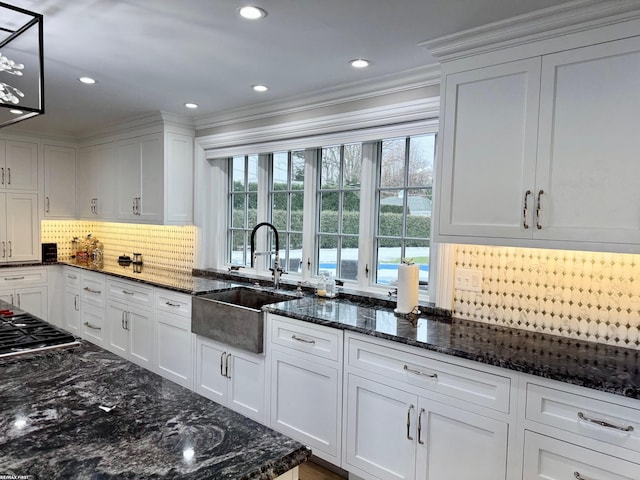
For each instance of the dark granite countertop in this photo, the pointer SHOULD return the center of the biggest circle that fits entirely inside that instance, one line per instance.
(52, 426)
(593, 365)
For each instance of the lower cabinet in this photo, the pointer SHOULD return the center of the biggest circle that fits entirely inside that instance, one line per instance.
(29, 299)
(306, 384)
(93, 326)
(72, 316)
(231, 377)
(173, 337)
(131, 333)
(546, 458)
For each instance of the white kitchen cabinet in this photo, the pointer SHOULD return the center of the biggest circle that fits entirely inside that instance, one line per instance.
(26, 288)
(173, 338)
(306, 384)
(546, 458)
(18, 165)
(94, 324)
(140, 170)
(20, 227)
(523, 144)
(131, 333)
(231, 377)
(59, 182)
(96, 178)
(72, 319)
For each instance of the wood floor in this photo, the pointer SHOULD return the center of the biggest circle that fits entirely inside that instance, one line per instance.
(311, 471)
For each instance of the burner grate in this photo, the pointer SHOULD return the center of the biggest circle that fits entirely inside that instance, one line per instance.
(23, 333)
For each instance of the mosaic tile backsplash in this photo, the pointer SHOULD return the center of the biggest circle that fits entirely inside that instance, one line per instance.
(167, 247)
(587, 295)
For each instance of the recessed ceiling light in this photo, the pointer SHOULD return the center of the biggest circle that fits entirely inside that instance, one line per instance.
(252, 12)
(359, 63)
(87, 80)
(191, 105)
(260, 88)
(16, 112)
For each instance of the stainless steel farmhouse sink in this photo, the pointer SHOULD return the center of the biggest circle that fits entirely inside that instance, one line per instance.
(233, 316)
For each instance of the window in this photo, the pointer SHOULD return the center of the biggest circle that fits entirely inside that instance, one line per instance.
(243, 200)
(287, 206)
(339, 210)
(404, 201)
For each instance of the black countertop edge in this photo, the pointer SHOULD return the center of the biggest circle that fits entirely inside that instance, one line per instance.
(279, 467)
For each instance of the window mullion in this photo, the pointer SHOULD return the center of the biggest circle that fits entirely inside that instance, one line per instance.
(310, 219)
(367, 214)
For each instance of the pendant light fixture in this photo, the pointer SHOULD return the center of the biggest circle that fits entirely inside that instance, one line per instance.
(21, 64)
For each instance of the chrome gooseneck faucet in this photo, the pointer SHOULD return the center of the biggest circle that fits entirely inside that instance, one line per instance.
(276, 271)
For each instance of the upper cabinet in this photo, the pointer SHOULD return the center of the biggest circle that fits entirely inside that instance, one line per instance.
(143, 179)
(542, 151)
(18, 165)
(59, 182)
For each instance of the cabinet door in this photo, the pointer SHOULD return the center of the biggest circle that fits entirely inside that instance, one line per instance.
(304, 402)
(59, 181)
(21, 171)
(9, 297)
(546, 458)
(210, 380)
(94, 324)
(454, 443)
(178, 179)
(588, 149)
(141, 338)
(72, 316)
(87, 181)
(23, 227)
(381, 430)
(33, 300)
(246, 384)
(105, 181)
(174, 348)
(127, 168)
(489, 150)
(151, 203)
(118, 338)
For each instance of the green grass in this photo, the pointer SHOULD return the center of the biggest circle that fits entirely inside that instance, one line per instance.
(421, 260)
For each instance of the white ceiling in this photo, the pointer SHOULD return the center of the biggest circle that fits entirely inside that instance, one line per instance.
(151, 55)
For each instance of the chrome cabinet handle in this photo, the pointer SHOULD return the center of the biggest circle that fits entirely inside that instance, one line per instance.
(579, 476)
(222, 363)
(18, 295)
(420, 441)
(409, 437)
(94, 327)
(538, 208)
(4, 249)
(72, 277)
(12, 299)
(602, 423)
(525, 210)
(2, 175)
(127, 317)
(137, 202)
(226, 366)
(10, 249)
(303, 340)
(172, 304)
(418, 372)
(122, 320)
(75, 303)
(46, 209)
(134, 206)
(91, 290)
(9, 176)
(128, 293)
(14, 278)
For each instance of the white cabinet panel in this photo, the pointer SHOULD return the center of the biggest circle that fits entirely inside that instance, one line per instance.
(22, 227)
(20, 170)
(72, 319)
(94, 324)
(59, 182)
(174, 344)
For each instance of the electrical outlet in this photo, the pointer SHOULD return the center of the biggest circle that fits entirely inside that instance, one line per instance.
(468, 279)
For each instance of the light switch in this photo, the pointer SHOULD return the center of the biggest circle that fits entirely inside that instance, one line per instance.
(468, 279)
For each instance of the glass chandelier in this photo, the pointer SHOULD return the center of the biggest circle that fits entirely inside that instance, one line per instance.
(21, 64)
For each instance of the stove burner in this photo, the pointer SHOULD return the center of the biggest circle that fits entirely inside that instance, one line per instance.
(22, 333)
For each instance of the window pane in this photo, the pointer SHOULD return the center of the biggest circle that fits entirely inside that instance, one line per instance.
(238, 211)
(328, 255)
(252, 173)
(295, 253)
(329, 212)
(330, 167)
(238, 174)
(238, 247)
(421, 151)
(297, 168)
(351, 212)
(418, 250)
(297, 213)
(390, 215)
(392, 164)
(252, 214)
(352, 170)
(419, 217)
(280, 171)
(389, 257)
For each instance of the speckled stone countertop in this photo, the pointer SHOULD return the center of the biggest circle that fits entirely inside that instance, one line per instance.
(601, 367)
(52, 426)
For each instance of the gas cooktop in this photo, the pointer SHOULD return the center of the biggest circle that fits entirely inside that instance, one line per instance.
(21, 332)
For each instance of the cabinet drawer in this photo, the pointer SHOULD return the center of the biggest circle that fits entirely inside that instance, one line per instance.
(129, 292)
(93, 289)
(93, 324)
(173, 302)
(71, 277)
(306, 337)
(23, 276)
(546, 458)
(605, 421)
(474, 386)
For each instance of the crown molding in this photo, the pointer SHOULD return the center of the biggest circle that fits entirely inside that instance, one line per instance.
(567, 18)
(404, 81)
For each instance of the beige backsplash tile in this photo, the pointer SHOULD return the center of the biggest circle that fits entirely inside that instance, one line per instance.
(588, 295)
(169, 247)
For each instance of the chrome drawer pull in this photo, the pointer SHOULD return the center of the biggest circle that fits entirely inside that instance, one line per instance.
(525, 210)
(303, 340)
(14, 278)
(418, 372)
(128, 293)
(90, 290)
(72, 277)
(602, 423)
(90, 325)
(172, 304)
(409, 437)
(580, 477)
